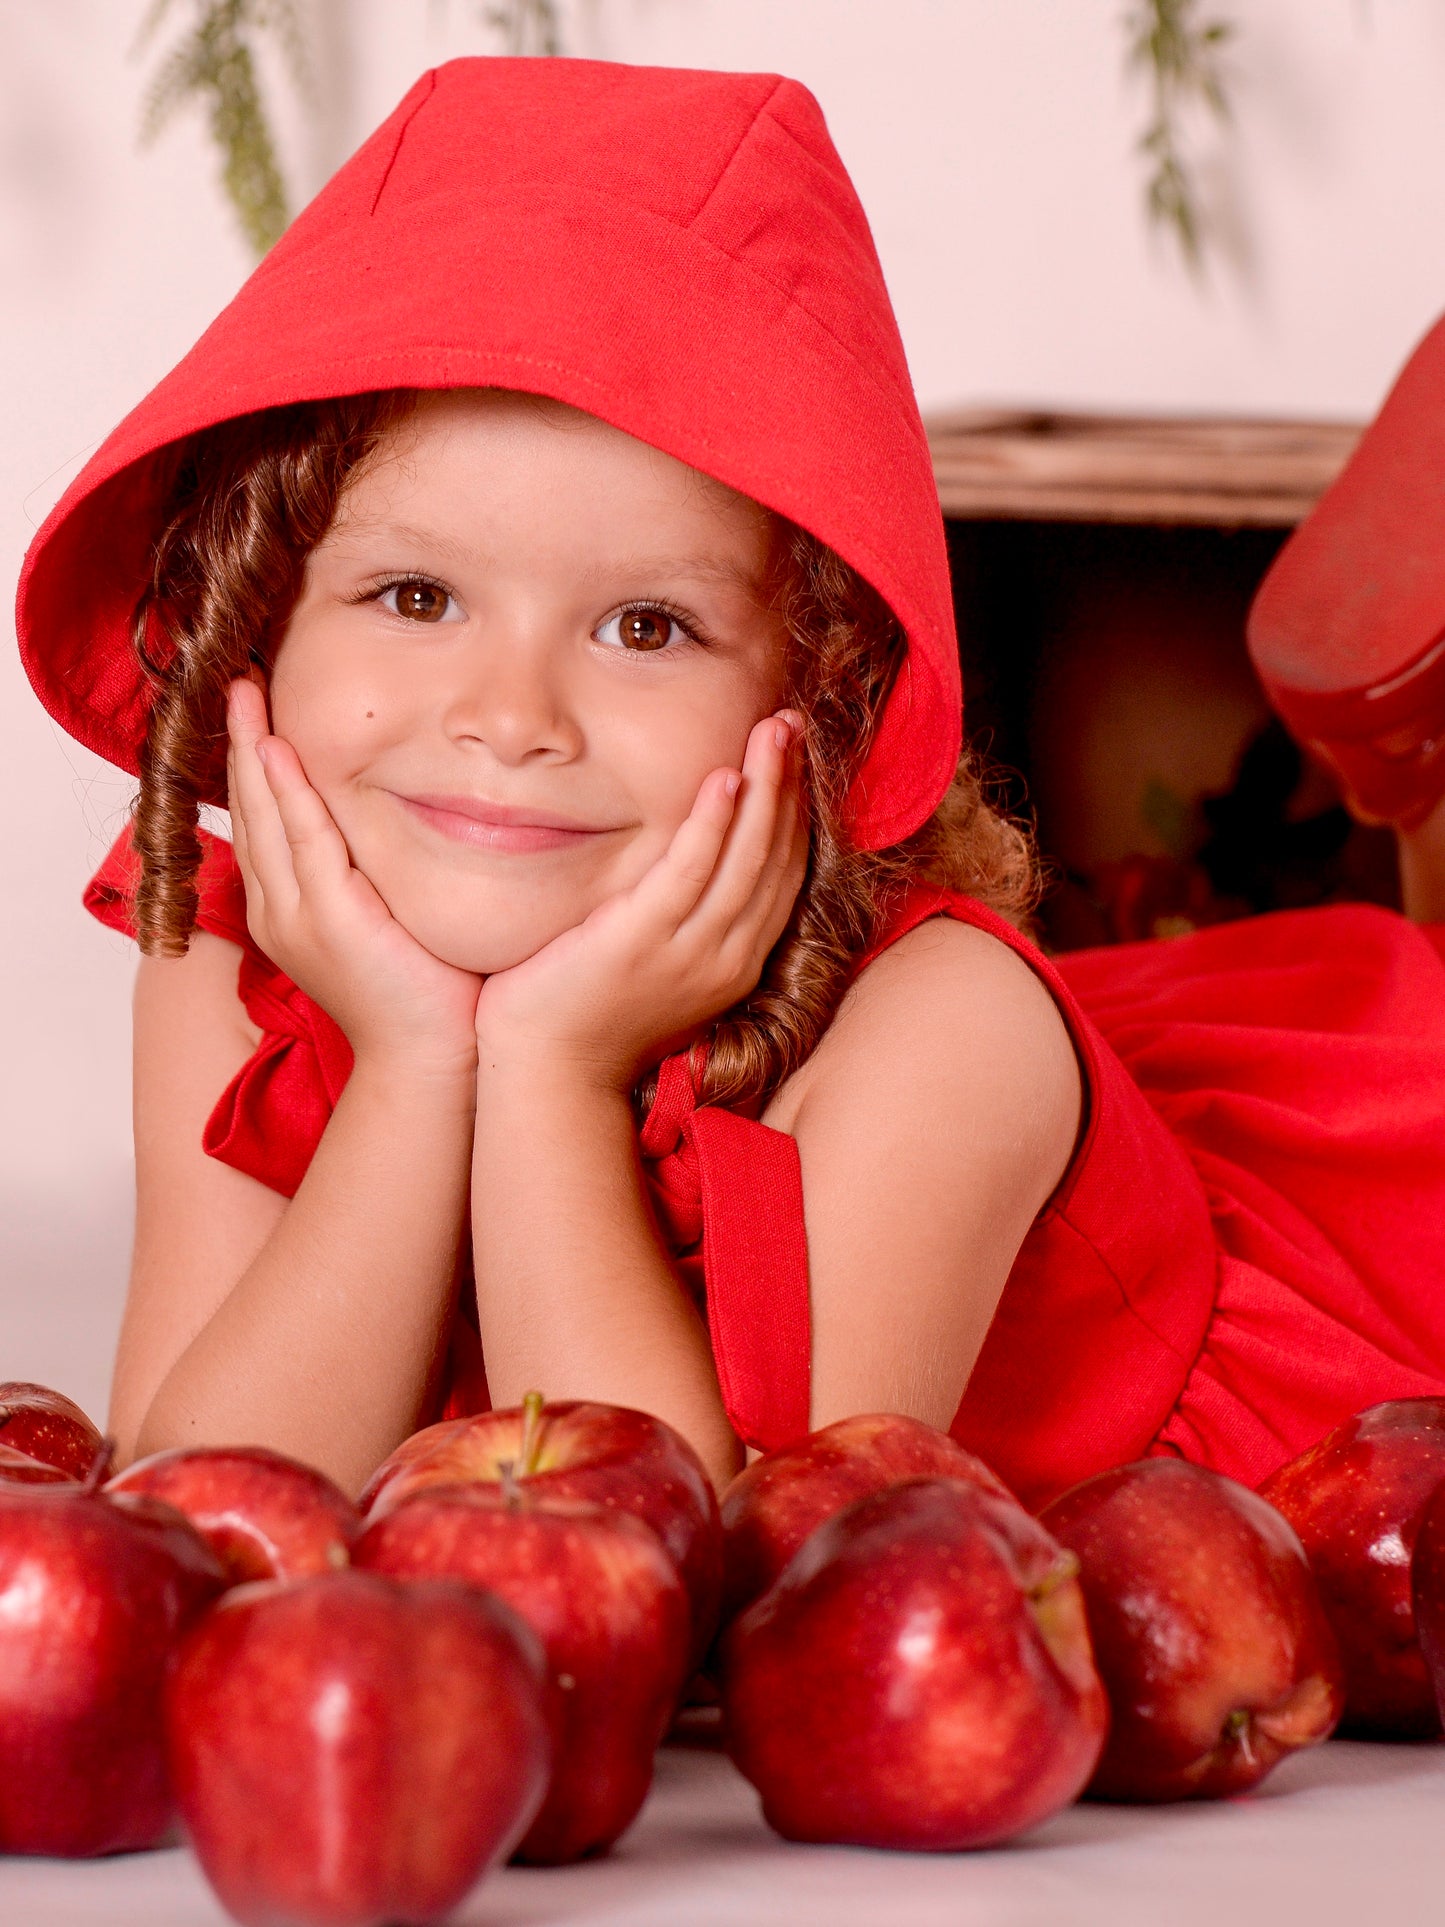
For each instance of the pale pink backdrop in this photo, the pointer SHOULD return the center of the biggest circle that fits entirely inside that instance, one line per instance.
(991, 141)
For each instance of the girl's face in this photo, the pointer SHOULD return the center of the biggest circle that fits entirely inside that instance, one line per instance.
(523, 611)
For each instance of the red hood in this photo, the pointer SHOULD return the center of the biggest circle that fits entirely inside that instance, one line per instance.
(766, 353)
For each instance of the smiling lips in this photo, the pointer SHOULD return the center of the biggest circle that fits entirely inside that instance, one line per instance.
(496, 826)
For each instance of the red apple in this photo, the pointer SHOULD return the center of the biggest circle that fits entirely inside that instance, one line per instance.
(352, 1750)
(1427, 1577)
(20, 1468)
(578, 1450)
(265, 1516)
(48, 1426)
(611, 1611)
(918, 1677)
(1208, 1630)
(94, 1591)
(1356, 1500)
(772, 1506)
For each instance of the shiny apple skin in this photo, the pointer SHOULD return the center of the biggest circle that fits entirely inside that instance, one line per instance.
(265, 1516)
(1427, 1585)
(349, 1750)
(47, 1426)
(609, 1454)
(20, 1469)
(900, 1686)
(611, 1612)
(1356, 1500)
(94, 1593)
(1208, 1630)
(773, 1504)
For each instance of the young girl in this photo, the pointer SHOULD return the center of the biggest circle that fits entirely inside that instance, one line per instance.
(616, 984)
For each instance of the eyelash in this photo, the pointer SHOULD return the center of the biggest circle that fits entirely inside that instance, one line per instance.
(658, 605)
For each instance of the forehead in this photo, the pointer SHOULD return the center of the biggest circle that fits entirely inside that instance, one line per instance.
(509, 427)
(472, 457)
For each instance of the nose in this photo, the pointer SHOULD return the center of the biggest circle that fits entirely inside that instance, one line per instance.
(514, 697)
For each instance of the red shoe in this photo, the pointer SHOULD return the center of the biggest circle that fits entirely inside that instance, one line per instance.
(1347, 631)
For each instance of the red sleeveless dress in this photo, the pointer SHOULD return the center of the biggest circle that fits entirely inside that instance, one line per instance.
(1248, 1246)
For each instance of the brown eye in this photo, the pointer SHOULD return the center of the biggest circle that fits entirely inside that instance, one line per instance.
(643, 629)
(420, 601)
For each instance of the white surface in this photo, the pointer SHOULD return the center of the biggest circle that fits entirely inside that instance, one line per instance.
(1344, 1835)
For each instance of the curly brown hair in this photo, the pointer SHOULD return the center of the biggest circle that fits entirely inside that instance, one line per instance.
(245, 504)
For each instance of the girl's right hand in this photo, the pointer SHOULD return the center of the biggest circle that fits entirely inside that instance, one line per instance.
(323, 922)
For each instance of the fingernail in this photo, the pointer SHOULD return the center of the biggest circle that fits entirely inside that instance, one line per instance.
(731, 784)
(781, 733)
(261, 754)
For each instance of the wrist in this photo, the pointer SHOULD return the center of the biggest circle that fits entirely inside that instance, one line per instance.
(547, 1066)
(451, 1075)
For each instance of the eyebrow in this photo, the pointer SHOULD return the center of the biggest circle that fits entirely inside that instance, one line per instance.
(700, 568)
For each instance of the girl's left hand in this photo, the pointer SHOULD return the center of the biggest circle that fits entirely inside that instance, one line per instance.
(641, 975)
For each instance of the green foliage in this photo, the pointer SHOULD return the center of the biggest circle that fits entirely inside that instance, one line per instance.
(1180, 55)
(214, 63)
(530, 26)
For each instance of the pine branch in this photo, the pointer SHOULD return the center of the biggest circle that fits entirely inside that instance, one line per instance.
(1181, 59)
(214, 63)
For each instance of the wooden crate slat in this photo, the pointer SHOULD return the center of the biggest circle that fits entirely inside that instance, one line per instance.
(1204, 470)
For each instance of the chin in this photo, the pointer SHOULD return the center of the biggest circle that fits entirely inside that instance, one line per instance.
(483, 933)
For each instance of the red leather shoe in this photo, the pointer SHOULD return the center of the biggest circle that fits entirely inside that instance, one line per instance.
(1347, 630)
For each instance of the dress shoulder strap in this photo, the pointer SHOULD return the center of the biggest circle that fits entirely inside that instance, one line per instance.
(268, 1120)
(925, 900)
(110, 893)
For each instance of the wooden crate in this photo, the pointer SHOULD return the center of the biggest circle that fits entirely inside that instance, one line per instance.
(1102, 569)
(1202, 471)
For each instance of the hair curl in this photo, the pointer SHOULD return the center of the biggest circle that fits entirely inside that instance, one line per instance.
(246, 502)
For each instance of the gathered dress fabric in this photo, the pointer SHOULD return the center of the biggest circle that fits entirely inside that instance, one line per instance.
(1247, 1247)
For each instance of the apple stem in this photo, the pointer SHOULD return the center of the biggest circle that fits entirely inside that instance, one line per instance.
(99, 1467)
(1064, 1568)
(511, 1485)
(532, 1406)
(1237, 1727)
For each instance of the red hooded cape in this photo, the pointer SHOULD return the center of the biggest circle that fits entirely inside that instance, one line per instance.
(679, 253)
(1250, 1241)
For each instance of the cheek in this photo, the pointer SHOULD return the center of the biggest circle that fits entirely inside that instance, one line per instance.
(336, 721)
(667, 756)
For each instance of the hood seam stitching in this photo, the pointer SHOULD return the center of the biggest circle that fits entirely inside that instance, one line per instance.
(429, 77)
(737, 149)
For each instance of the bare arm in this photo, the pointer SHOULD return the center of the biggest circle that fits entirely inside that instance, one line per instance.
(575, 1294)
(933, 1123)
(315, 1327)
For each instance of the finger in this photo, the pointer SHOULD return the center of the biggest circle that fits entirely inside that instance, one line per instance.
(760, 923)
(263, 834)
(751, 841)
(786, 873)
(318, 854)
(671, 888)
(254, 891)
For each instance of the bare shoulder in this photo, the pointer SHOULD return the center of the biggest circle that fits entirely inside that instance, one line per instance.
(934, 1121)
(198, 990)
(946, 1020)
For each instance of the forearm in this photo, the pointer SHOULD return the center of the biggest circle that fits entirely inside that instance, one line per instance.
(575, 1295)
(330, 1343)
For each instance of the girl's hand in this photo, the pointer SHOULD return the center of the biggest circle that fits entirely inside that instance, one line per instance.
(323, 922)
(648, 968)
